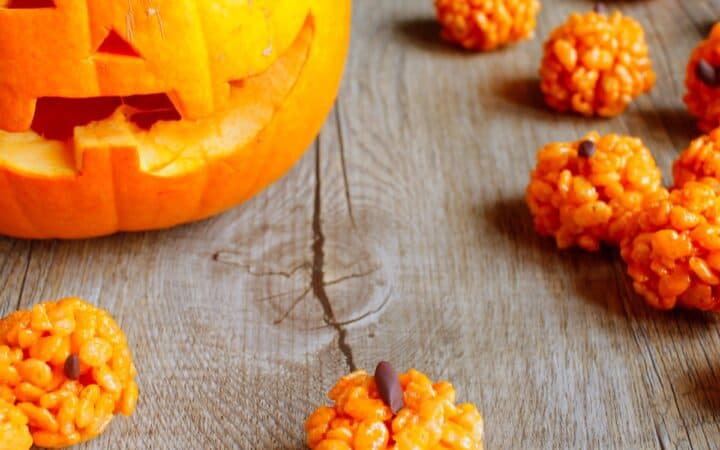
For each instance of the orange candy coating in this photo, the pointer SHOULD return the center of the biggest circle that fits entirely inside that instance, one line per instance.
(596, 64)
(14, 433)
(703, 100)
(486, 25)
(360, 420)
(34, 348)
(700, 160)
(583, 201)
(674, 257)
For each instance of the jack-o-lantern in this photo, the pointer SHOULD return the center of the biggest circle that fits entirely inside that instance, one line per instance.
(125, 115)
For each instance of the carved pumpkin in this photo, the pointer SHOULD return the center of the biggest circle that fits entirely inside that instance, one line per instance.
(126, 115)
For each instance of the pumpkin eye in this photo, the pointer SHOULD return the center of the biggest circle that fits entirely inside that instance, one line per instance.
(114, 44)
(56, 117)
(27, 4)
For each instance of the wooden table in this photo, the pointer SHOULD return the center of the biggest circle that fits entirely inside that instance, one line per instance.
(403, 235)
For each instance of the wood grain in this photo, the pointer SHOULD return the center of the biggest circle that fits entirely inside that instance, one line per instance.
(402, 235)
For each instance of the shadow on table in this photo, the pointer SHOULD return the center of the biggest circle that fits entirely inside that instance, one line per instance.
(597, 278)
(706, 26)
(523, 92)
(679, 125)
(702, 390)
(425, 34)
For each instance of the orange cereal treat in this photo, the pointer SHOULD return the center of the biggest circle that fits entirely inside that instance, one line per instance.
(596, 64)
(14, 433)
(674, 257)
(486, 25)
(586, 192)
(394, 412)
(66, 366)
(700, 160)
(702, 81)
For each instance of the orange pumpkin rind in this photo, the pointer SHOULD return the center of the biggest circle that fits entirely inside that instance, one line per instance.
(360, 420)
(114, 176)
(596, 64)
(584, 200)
(67, 368)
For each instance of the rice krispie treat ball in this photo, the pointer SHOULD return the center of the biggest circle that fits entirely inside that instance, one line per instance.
(585, 192)
(596, 64)
(484, 25)
(702, 81)
(700, 160)
(391, 412)
(66, 366)
(14, 433)
(674, 258)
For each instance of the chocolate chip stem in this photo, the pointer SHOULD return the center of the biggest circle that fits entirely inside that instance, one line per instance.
(706, 73)
(72, 367)
(600, 8)
(587, 149)
(388, 385)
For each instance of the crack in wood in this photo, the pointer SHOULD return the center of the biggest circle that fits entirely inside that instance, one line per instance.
(6, 261)
(315, 268)
(369, 313)
(24, 279)
(343, 164)
(327, 283)
(220, 257)
(661, 436)
(318, 269)
(352, 276)
(295, 302)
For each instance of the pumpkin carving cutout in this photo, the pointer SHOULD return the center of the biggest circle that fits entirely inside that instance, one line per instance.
(128, 115)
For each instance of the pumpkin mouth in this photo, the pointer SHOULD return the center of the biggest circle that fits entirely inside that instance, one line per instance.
(167, 145)
(57, 117)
